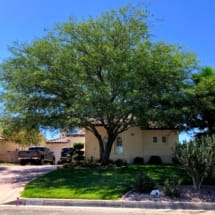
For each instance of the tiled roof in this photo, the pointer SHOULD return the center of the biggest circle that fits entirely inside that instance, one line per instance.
(59, 140)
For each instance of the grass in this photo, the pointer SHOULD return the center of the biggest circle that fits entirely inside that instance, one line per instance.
(92, 183)
(2, 163)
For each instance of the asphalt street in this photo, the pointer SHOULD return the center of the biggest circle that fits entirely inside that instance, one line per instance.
(30, 210)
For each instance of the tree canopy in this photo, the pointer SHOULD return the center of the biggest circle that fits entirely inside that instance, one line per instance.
(102, 71)
(201, 102)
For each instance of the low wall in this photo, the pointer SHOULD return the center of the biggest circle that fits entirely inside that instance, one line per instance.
(9, 156)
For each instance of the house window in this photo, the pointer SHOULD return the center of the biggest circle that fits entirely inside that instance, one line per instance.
(154, 140)
(119, 145)
(164, 139)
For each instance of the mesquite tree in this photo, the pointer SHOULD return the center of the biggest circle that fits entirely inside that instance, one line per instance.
(103, 71)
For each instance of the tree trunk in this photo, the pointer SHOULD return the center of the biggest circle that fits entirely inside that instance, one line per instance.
(106, 155)
(105, 148)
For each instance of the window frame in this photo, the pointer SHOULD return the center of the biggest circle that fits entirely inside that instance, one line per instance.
(155, 140)
(119, 146)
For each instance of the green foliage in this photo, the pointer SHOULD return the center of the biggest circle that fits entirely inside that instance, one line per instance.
(143, 183)
(104, 70)
(197, 158)
(23, 137)
(154, 159)
(172, 187)
(78, 146)
(201, 101)
(78, 153)
(120, 162)
(138, 160)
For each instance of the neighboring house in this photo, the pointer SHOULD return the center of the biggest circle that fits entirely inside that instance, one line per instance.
(135, 142)
(65, 140)
(8, 151)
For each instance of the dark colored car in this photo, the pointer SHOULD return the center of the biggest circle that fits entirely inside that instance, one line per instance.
(66, 155)
(36, 154)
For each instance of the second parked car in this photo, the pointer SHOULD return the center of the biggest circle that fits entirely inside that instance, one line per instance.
(66, 155)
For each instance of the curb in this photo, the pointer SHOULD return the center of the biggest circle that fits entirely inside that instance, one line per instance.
(115, 203)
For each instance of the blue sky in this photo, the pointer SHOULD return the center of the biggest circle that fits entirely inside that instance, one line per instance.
(189, 23)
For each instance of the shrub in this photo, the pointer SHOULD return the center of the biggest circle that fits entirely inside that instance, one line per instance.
(78, 146)
(143, 183)
(175, 161)
(78, 157)
(120, 162)
(78, 151)
(197, 158)
(172, 187)
(154, 159)
(138, 160)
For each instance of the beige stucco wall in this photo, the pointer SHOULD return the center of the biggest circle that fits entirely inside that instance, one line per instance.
(56, 147)
(136, 143)
(8, 151)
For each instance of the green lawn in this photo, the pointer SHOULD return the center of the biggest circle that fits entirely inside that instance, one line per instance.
(109, 183)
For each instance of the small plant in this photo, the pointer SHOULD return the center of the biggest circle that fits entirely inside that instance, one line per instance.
(120, 162)
(138, 160)
(154, 159)
(143, 183)
(79, 154)
(78, 146)
(172, 187)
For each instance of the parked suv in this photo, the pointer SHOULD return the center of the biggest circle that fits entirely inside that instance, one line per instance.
(66, 155)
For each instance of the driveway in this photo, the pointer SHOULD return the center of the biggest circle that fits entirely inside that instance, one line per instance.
(14, 178)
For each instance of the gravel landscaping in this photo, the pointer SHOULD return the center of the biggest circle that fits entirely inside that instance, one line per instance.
(206, 194)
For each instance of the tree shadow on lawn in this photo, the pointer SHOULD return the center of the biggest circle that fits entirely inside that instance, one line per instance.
(85, 184)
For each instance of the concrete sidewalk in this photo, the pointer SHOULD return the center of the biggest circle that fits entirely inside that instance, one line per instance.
(115, 203)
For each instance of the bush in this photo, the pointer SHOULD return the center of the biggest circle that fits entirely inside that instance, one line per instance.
(172, 187)
(154, 159)
(175, 161)
(143, 183)
(197, 158)
(78, 157)
(120, 162)
(78, 152)
(138, 160)
(78, 146)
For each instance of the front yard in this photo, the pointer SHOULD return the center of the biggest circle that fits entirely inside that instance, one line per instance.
(92, 183)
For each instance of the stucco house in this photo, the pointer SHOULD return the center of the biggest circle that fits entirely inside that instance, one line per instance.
(66, 139)
(136, 142)
(132, 143)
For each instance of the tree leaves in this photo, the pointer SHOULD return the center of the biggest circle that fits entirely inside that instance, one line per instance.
(105, 70)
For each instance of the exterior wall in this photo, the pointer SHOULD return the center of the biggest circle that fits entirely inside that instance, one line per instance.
(136, 143)
(8, 151)
(57, 146)
(164, 150)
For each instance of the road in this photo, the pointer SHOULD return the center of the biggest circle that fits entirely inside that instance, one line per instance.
(13, 179)
(30, 210)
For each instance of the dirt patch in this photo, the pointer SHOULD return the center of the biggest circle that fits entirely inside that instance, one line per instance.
(206, 194)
